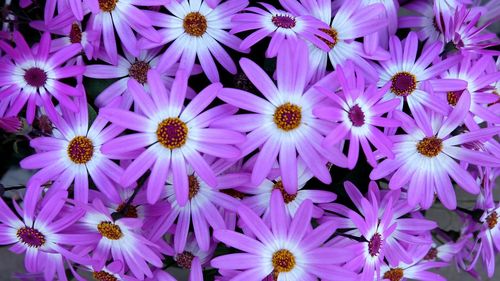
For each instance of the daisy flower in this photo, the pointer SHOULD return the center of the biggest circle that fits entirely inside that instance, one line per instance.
(381, 37)
(129, 67)
(201, 209)
(474, 72)
(73, 154)
(38, 232)
(118, 239)
(71, 32)
(463, 33)
(172, 134)
(351, 21)
(425, 157)
(123, 17)
(409, 229)
(197, 31)
(259, 202)
(33, 77)
(423, 21)
(75, 6)
(356, 110)
(489, 236)
(287, 250)
(283, 123)
(410, 75)
(282, 26)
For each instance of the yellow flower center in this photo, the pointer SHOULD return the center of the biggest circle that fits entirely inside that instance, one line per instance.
(394, 274)
(103, 276)
(287, 116)
(195, 24)
(107, 5)
(80, 150)
(194, 186)
(109, 230)
(287, 197)
(492, 220)
(283, 261)
(172, 133)
(332, 33)
(430, 146)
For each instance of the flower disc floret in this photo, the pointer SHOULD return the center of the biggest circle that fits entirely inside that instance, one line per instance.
(80, 150)
(195, 24)
(185, 259)
(103, 276)
(430, 146)
(172, 133)
(283, 261)
(357, 116)
(375, 244)
(284, 21)
(403, 83)
(35, 77)
(75, 34)
(286, 196)
(394, 274)
(109, 230)
(107, 5)
(287, 116)
(139, 71)
(492, 220)
(31, 237)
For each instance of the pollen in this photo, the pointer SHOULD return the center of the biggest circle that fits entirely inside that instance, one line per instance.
(184, 259)
(107, 5)
(286, 196)
(375, 244)
(109, 230)
(194, 186)
(357, 116)
(430, 146)
(453, 97)
(403, 83)
(394, 274)
(332, 33)
(103, 276)
(31, 237)
(233, 193)
(75, 34)
(284, 21)
(492, 220)
(172, 133)
(139, 71)
(131, 211)
(35, 77)
(283, 261)
(80, 150)
(287, 116)
(195, 24)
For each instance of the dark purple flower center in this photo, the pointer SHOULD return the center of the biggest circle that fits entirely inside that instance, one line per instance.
(431, 254)
(103, 276)
(75, 34)
(194, 186)
(172, 133)
(286, 196)
(31, 237)
(195, 24)
(403, 83)
(375, 244)
(492, 220)
(287, 116)
(233, 193)
(185, 259)
(107, 5)
(283, 261)
(394, 274)
(35, 77)
(139, 71)
(284, 21)
(357, 116)
(453, 97)
(430, 146)
(109, 230)
(80, 150)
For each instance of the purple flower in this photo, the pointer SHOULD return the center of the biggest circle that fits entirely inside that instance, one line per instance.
(281, 25)
(425, 157)
(288, 250)
(130, 67)
(38, 231)
(424, 22)
(74, 153)
(283, 123)
(123, 17)
(474, 71)
(32, 76)
(356, 109)
(172, 135)
(411, 77)
(351, 21)
(201, 209)
(197, 31)
(119, 239)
